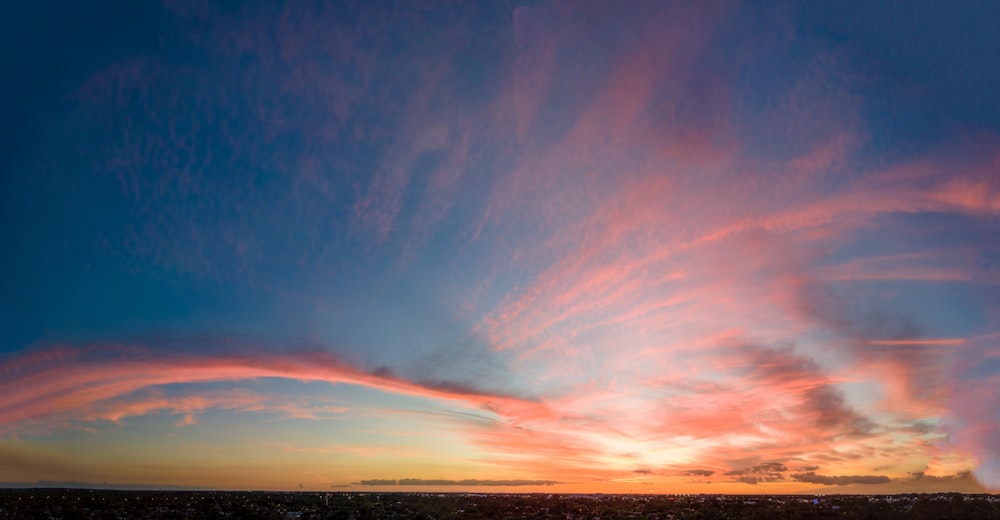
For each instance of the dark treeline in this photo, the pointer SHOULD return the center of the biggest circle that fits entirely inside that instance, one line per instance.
(103, 504)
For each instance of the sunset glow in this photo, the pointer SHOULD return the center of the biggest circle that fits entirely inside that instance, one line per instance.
(651, 247)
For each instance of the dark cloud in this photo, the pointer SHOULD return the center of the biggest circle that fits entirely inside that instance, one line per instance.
(378, 482)
(875, 332)
(832, 412)
(763, 472)
(823, 405)
(854, 314)
(467, 363)
(839, 480)
(957, 477)
(921, 426)
(466, 482)
(699, 473)
(763, 468)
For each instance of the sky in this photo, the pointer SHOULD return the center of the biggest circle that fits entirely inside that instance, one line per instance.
(637, 247)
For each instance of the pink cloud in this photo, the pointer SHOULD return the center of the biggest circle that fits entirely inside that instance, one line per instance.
(110, 383)
(654, 266)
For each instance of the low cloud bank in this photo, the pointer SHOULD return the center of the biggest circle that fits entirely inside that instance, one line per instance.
(840, 480)
(466, 482)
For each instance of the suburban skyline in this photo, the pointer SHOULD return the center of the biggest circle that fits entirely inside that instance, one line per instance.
(602, 247)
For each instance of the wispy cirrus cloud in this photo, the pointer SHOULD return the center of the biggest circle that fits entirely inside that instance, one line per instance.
(115, 381)
(637, 270)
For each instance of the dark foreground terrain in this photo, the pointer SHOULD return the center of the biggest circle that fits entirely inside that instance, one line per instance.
(76, 503)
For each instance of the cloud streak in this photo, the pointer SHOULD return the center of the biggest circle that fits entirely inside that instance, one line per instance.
(112, 382)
